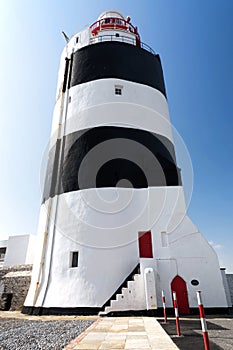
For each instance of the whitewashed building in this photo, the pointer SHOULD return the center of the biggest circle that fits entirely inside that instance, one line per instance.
(16, 259)
(113, 213)
(17, 250)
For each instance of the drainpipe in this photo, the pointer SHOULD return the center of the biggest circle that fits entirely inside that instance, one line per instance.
(55, 173)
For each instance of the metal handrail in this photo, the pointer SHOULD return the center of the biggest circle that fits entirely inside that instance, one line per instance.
(147, 47)
(122, 38)
(112, 23)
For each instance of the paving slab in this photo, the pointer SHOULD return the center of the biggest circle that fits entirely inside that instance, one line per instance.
(131, 333)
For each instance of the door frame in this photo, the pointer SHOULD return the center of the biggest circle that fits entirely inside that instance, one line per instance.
(182, 300)
(145, 248)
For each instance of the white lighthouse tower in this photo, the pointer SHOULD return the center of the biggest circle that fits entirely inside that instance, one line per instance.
(113, 230)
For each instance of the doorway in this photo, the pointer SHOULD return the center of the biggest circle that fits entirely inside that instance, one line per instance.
(179, 286)
(6, 301)
(145, 244)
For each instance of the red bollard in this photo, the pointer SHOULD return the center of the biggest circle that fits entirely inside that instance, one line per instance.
(203, 321)
(176, 313)
(164, 307)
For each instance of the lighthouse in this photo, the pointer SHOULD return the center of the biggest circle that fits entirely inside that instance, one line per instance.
(113, 230)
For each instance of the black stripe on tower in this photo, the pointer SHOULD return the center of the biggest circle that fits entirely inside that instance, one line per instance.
(111, 157)
(117, 60)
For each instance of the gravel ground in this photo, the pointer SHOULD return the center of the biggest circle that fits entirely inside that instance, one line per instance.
(18, 334)
(220, 331)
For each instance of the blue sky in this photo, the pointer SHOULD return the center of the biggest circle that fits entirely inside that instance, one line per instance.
(194, 40)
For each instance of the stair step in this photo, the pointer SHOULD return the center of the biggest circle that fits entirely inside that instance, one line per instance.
(130, 284)
(119, 297)
(136, 276)
(124, 284)
(125, 294)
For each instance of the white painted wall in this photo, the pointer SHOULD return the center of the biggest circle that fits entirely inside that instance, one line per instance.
(31, 249)
(95, 104)
(150, 288)
(3, 243)
(20, 250)
(85, 223)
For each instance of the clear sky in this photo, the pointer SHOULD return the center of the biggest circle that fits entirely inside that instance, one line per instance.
(194, 40)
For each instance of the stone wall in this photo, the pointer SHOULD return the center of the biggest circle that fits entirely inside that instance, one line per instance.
(14, 285)
(230, 283)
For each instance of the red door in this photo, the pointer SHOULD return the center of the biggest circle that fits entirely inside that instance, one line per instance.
(178, 285)
(145, 245)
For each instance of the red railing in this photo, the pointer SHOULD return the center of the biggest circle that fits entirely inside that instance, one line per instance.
(113, 23)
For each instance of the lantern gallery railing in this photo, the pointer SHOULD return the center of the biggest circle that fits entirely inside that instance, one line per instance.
(121, 38)
(112, 23)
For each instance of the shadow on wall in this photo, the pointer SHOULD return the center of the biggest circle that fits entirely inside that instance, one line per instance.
(230, 284)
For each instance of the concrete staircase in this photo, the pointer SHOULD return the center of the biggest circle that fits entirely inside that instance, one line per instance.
(131, 297)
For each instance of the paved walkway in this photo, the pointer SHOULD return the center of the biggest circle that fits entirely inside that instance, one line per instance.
(132, 333)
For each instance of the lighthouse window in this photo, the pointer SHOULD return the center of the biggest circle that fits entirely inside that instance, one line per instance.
(118, 90)
(74, 259)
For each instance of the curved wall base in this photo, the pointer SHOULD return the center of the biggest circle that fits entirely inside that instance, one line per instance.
(38, 311)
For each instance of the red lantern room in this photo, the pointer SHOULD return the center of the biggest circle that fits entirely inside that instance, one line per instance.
(112, 26)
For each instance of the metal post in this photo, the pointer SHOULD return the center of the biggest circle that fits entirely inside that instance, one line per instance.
(203, 321)
(176, 313)
(164, 307)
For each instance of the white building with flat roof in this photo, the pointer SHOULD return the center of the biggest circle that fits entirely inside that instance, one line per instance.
(17, 250)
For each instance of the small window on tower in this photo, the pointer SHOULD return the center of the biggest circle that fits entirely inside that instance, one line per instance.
(118, 90)
(77, 39)
(74, 259)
